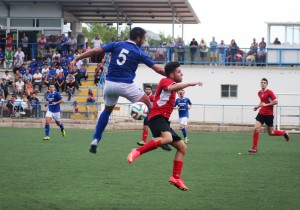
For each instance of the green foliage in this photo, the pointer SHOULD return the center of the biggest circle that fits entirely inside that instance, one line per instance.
(105, 32)
(62, 174)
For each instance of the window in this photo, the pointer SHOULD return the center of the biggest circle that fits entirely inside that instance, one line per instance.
(22, 22)
(229, 91)
(48, 23)
(153, 85)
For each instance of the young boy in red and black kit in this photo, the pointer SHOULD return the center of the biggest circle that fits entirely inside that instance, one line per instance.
(159, 121)
(265, 115)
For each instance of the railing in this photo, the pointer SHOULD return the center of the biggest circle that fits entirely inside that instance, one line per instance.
(199, 113)
(274, 55)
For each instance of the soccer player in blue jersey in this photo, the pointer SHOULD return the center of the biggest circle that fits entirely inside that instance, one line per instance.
(183, 104)
(54, 100)
(125, 57)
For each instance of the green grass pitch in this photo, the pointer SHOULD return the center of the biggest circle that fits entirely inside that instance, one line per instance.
(62, 174)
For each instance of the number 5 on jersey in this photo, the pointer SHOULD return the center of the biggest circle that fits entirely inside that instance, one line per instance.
(122, 57)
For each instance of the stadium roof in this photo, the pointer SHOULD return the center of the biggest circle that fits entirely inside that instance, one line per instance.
(129, 11)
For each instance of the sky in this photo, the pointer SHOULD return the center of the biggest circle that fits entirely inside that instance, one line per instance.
(232, 19)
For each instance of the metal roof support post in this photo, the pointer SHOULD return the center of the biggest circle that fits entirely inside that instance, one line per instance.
(173, 23)
(182, 30)
(118, 23)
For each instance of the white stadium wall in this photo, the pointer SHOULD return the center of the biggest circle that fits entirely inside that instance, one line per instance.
(281, 80)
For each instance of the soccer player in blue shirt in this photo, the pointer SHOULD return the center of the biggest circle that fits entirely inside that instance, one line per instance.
(125, 57)
(183, 105)
(54, 100)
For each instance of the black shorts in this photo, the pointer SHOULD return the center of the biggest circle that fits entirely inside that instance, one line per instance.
(160, 124)
(267, 119)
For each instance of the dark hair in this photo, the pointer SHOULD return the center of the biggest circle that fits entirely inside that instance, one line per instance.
(148, 86)
(170, 67)
(137, 32)
(264, 79)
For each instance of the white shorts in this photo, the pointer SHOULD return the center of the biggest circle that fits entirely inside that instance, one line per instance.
(183, 121)
(113, 90)
(54, 115)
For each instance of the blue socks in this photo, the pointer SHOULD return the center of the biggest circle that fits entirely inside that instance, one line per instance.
(47, 130)
(183, 132)
(101, 125)
(61, 127)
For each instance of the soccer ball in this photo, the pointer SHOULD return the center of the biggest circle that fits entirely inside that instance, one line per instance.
(138, 111)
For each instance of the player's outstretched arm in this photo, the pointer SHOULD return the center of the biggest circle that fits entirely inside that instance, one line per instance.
(87, 54)
(158, 69)
(180, 86)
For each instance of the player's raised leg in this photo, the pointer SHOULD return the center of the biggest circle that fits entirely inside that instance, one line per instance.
(272, 132)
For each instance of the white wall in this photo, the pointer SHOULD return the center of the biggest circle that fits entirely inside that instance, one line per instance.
(281, 80)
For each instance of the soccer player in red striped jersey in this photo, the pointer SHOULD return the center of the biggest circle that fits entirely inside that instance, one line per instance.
(265, 115)
(159, 121)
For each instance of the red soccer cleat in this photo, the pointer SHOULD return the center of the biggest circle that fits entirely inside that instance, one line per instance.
(178, 183)
(253, 150)
(286, 136)
(134, 154)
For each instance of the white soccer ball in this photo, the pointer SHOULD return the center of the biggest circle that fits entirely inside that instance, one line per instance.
(138, 111)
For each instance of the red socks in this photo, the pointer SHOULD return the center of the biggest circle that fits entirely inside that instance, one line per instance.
(151, 145)
(177, 168)
(278, 133)
(255, 139)
(145, 135)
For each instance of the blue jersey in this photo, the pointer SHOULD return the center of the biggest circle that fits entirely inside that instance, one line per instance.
(125, 57)
(54, 97)
(183, 106)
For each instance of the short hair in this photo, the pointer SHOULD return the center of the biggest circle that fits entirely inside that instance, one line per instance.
(170, 67)
(148, 86)
(137, 32)
(264, 79)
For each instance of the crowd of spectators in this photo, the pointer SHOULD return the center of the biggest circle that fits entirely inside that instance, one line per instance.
(23, 80)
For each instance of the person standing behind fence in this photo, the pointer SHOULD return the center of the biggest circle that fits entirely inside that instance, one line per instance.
(265, 115)
(72, 42)
(63, 44)
(262, 53)
(193, 50)
(180, 50)
(233, 48)
(213, 51)
(171, 46)
(203, 51)
(222, 52)
(24, 41)
(54, 100)
(97, 43)
(42, 41)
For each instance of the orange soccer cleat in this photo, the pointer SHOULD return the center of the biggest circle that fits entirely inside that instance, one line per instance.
(134, 154)
(178, 183)
(253, 150)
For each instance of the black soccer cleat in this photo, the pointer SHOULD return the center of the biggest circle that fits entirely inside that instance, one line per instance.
(166, 147)
(93, 148)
